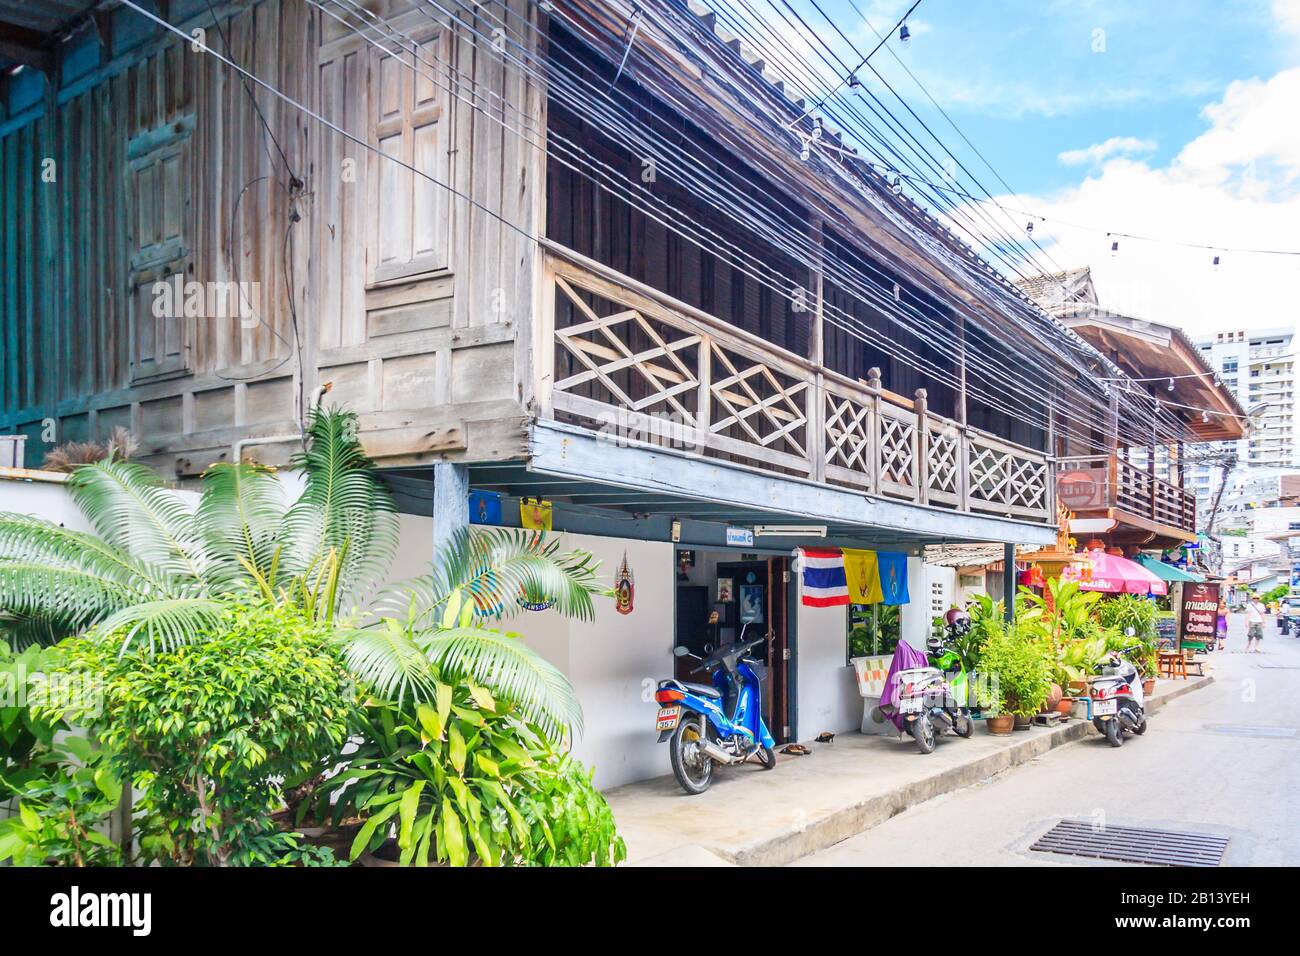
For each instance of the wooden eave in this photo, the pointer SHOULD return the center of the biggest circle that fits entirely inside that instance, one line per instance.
(1145, 350)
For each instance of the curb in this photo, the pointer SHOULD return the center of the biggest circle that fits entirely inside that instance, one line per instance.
(850, 821)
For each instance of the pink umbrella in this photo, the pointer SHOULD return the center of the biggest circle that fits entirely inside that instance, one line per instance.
(1111, 574)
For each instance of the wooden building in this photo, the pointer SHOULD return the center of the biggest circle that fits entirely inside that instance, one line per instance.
(591, 252)
(1134, 494)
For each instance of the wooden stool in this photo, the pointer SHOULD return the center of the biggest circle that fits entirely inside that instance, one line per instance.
(1172, 664)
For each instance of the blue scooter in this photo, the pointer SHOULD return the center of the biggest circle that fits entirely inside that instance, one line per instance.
(718, 723)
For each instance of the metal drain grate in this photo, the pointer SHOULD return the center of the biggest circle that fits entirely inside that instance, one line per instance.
(1133, 844)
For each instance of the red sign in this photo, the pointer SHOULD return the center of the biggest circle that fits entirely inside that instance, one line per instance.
(1082, 488)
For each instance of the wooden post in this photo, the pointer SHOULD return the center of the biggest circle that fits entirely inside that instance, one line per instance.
(817, 352)
(873, 431)
(450, 503)
(817, 427)
(922, 469)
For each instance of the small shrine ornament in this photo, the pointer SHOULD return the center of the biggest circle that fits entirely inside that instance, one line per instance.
(624, 587)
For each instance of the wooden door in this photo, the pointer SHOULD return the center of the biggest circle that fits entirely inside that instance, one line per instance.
(778, 648)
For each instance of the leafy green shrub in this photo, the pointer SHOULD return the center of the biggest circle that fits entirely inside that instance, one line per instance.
(58, 789)
(1124, 611)
(208, 730)
(63, 809)
(465, 780)
(23, 734)
(1020, 666)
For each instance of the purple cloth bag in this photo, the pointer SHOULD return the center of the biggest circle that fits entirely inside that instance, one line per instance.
(906, 657)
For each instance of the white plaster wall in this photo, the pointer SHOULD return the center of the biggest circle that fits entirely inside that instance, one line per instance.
(615, 661)
(50, 500)
(827, 697)
(611, 660)
(914, 617)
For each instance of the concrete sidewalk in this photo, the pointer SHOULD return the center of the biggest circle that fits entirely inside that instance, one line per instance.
(751, 817)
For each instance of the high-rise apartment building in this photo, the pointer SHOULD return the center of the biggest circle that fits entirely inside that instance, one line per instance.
(1259, 367)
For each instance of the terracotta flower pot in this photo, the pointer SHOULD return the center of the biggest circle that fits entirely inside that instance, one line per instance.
(1064, 706)
(1053, 698)
(1149, 686)
(1023, 722)
(1000, 725)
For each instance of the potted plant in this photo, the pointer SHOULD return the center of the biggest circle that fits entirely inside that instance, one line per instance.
(1020, 670)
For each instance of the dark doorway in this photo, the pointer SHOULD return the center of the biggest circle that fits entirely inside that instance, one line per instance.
(693, 629)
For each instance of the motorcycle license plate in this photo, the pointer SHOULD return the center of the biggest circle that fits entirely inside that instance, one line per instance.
(668, 717)
(911, 705)
(1100, 708)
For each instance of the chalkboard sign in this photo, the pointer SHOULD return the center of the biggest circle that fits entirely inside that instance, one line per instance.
(1167, 632)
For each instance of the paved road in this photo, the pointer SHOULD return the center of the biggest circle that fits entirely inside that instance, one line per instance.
(1224, 759)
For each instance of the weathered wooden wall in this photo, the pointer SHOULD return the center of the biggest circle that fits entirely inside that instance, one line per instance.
(403, 299)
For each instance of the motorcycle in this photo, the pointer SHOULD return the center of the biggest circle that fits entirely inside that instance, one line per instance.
(1116, 698)
(935, 700)
(718, 723)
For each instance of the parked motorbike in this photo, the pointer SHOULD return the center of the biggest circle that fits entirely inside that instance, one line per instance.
(717, 723)
(1117, 700)
(935, 700)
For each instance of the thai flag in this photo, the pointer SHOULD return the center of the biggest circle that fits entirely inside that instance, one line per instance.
(824, 584)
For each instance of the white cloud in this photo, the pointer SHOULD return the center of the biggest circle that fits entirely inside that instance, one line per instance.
(1100, 152)
(1236, 185)
(1287, 15)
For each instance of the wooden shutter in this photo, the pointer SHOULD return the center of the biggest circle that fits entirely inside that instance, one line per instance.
(159, 228)
(410, 216)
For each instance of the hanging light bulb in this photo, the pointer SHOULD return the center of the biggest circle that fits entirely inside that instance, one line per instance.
(804, 153)
(897, 185)
(1205, 417)
(1029, 228)
(1216, 262)
(1171, 385)
(898, 293)
(904, 34)
(1114, 247)
(817, 127)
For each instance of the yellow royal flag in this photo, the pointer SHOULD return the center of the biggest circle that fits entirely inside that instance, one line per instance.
(863, 575)
(535, 514)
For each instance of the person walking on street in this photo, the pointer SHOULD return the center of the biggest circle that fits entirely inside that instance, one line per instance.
(1221, 623)
(1254, 624)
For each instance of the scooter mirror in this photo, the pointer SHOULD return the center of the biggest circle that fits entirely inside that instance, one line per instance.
(708, 648)
(681, 650)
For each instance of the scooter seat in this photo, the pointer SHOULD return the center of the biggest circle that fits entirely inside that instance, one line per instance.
(699, 690)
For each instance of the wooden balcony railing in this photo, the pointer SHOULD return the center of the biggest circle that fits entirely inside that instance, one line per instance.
(1127, 488)
(619, 356)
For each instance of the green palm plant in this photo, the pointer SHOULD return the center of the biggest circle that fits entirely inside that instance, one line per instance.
(159, 570)
(437, 630)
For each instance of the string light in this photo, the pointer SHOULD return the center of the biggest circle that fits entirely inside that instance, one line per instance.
(904, 34)
(1171, 385)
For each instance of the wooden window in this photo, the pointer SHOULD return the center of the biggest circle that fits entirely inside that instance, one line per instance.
(410, 215)
(159, 241)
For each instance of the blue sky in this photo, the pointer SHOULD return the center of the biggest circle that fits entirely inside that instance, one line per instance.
(1178, 120)
(1028, 80)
